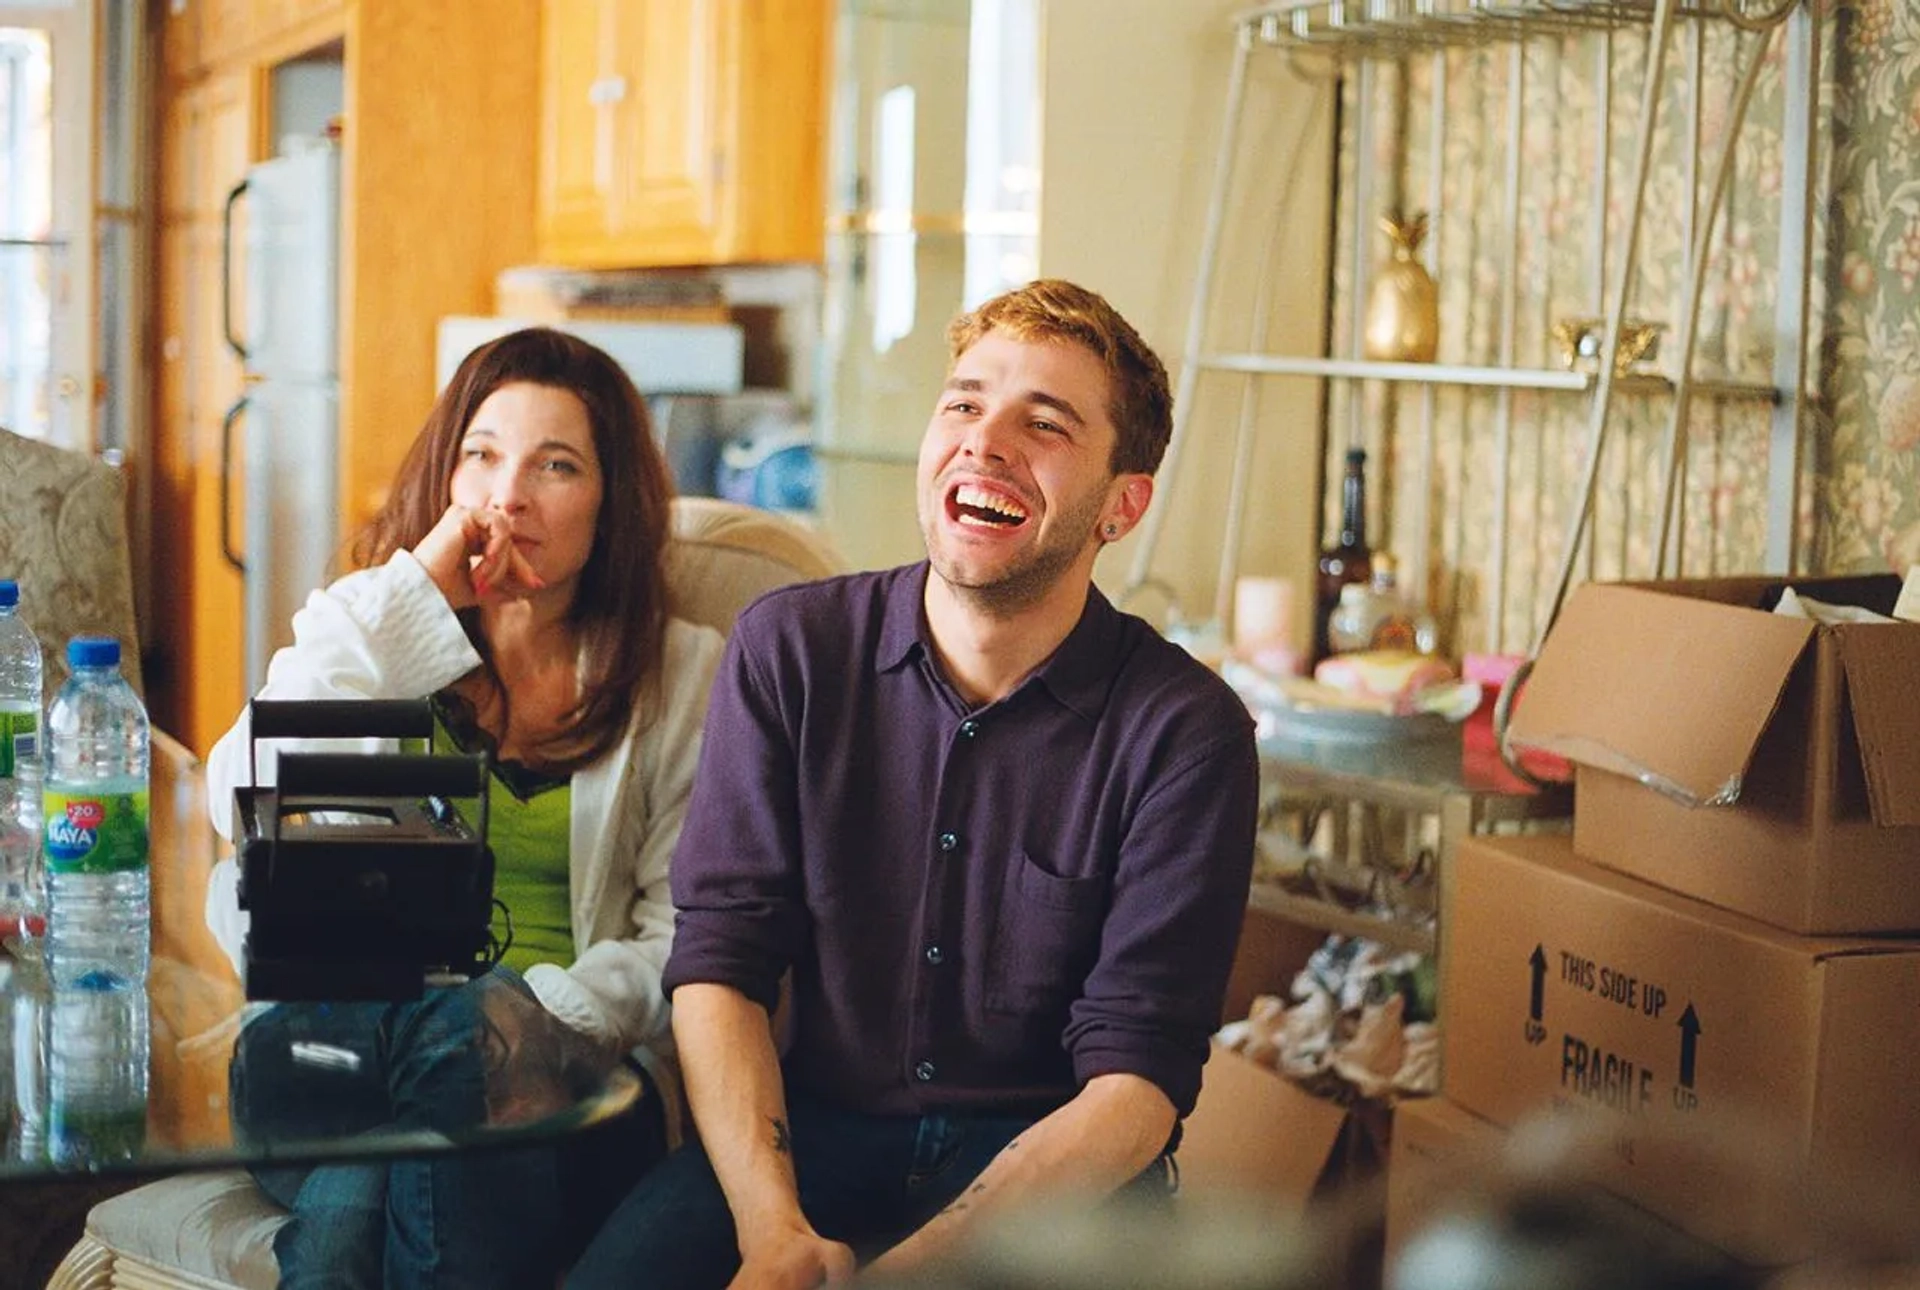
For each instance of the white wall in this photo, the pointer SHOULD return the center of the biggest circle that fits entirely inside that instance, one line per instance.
(1134, 94)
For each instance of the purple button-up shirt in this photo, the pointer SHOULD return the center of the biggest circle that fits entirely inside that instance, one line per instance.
(983, 907)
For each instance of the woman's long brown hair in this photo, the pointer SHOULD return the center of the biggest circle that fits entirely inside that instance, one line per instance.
(619, 610)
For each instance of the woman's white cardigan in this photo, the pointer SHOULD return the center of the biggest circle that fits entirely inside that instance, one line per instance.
(388, 633)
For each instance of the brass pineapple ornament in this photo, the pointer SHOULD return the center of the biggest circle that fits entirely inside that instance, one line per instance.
(1403, 306)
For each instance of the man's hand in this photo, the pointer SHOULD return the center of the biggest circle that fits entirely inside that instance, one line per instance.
(794, 1260)
(470, 556)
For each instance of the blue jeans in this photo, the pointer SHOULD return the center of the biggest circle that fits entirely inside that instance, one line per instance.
(504, 1217)
(867, 1180)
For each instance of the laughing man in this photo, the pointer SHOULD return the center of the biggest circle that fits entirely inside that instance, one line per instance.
(999, 832)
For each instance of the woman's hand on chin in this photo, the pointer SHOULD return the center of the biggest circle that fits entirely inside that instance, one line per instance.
(470, 556)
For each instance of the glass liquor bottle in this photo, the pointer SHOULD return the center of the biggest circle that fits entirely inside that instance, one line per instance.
(1349, 560)
(1377, 617)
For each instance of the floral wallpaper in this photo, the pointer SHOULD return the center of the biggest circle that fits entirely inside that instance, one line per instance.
(1473, 488)
(1867, 493)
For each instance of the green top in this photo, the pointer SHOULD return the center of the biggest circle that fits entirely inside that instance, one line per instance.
(529, 815)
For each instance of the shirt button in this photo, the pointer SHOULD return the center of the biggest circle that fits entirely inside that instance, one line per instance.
(924, 1072)
(969, 728)
(948, 841)
(934, 955)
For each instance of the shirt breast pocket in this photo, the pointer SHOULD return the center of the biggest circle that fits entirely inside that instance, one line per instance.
(1049, 938)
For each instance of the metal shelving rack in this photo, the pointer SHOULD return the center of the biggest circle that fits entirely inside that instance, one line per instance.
(1356, 36)
(1354, 39)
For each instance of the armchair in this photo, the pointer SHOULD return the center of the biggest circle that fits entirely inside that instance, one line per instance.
(63, 536)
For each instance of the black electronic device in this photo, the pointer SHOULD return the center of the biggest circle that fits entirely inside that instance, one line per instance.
(362, 877)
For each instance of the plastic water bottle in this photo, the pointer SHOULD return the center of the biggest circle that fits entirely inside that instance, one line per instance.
(96, 1073)
(96, 834)
(23, 1092)
(20, 771)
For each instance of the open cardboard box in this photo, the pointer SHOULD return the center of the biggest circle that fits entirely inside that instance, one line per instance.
(1254, 1132)
(1751, 1086)
(1766, 764)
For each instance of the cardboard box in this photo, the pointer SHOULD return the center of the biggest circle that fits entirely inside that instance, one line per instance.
(1253, 1131)
(1270, 953)
(1434, 1141)
(1256, 1133)
(1750, 1086)
(1758, 762)
(1456, 1177)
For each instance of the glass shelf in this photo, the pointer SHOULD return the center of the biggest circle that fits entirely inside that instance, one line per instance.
(1376, 28)
(1311, 911)
(1335, 806)
(1511, 378)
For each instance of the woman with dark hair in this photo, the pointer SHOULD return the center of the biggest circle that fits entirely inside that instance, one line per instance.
(515, 576)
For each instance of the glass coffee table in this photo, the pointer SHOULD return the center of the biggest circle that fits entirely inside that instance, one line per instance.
(131, 1084)
(136, 1081)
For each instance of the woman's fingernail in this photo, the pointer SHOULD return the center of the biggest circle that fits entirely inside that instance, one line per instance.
(479, 585)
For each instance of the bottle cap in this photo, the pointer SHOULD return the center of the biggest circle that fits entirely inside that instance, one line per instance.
(93, 651)
(9, 593)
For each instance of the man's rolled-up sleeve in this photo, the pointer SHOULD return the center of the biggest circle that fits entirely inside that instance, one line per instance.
(1179, 895)
(735, 876)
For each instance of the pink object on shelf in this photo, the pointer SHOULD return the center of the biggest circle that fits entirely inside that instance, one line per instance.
(1492, 671)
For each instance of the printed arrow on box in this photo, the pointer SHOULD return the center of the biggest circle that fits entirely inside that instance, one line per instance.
(1689, 1041)
(1535, 1032)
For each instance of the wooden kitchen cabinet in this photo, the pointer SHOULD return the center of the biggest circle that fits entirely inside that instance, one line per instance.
(227, 27)
(437, 196)
(179, 39)
(576, 143)
(210, 134)
(217, 35)
(289, 15)
(678, 132)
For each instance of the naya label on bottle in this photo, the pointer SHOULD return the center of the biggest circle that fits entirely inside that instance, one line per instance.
(19, 740)
(95, 832)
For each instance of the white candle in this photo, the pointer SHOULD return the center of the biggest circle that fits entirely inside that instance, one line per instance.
(1262, 612)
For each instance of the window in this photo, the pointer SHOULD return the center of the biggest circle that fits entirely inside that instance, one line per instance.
(64, 374)
(32, 261)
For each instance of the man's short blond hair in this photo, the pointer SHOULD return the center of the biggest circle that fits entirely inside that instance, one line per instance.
(1140, 406)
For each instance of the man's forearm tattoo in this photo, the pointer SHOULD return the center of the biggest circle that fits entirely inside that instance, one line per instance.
(962, 1203)
(782, 1140)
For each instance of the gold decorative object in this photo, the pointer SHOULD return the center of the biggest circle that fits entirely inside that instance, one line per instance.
(1403, 307)
(1580, 341)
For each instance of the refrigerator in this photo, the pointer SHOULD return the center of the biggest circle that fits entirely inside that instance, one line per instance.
(279, 451)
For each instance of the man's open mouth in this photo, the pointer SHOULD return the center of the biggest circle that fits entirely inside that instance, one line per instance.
(984, 508)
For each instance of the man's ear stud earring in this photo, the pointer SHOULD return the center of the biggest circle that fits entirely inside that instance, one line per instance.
(1113, 531)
